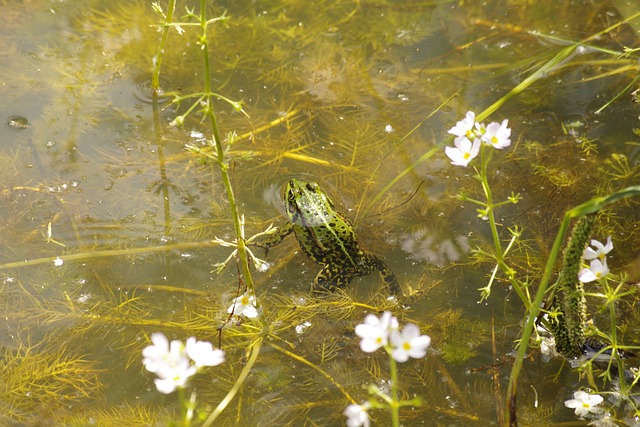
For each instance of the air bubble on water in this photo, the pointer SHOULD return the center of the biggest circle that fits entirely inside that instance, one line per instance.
(18, 122)
(147, 94)
(84, 298)
(196, 134)
(302, 327)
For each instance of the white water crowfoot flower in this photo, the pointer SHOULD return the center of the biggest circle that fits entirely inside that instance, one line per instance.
(171, 362)
(202, 353)
(600, 250)
(465, 126)
(584, 403)
(162, 355)
(497, 134)
(463, 152)
(357, 415)
(596, 271)
(375, 332)
(408, 343)
(384, 332)
(471, 134)
(175, 378)
(244, 305)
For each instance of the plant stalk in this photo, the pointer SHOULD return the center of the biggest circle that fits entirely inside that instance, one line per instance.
(395, 404)
(157, 63)
(217, 140)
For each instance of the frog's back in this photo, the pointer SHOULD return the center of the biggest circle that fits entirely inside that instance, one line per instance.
(332, 240)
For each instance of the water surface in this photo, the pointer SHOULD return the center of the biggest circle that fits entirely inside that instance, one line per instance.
(108, 221)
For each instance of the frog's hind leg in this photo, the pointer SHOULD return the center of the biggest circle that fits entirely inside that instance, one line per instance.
(328, 280)
(390, 280)
(385, 272)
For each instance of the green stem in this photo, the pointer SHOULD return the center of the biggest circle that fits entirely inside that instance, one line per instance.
(183, 408)
(534, 310)
(255, 350)
(395, 403)
(624, 387)
(316, 367)
(591, 206)
(490, 212)
(489, 205)
(157, 63)
(217, 140)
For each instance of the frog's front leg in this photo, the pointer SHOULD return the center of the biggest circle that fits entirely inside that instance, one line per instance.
(329, 279)
(275, 238)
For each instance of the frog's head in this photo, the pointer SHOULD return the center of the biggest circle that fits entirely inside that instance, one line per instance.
(306, 204)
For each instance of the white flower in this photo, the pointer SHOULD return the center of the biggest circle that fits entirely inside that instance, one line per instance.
(497, 134)
(162, 355)
(357, 415)
(375, 332)
(261, 265)
(465, 126)
(244, 305)
(202, 353)
(596, 271)
(58, 261)
(168, 361)
(600, 250)
(548, 346)
(463, 152)
(409, 343)
(584, 403)
(176, 377)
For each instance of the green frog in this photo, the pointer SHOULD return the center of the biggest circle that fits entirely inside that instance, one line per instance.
(328, 238)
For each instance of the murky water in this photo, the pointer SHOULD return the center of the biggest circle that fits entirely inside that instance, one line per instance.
(108, 222)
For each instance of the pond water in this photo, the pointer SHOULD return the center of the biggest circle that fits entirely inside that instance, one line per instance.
(109, 223)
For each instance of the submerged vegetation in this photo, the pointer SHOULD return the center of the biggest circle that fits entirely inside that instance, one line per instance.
(156, 143)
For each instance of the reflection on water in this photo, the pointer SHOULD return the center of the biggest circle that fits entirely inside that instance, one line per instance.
(423, 245)
(108, 223)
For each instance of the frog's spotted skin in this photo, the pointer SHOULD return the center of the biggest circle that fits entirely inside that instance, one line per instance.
(327, 238)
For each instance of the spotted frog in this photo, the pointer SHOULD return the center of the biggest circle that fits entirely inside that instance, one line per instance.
(328, 238)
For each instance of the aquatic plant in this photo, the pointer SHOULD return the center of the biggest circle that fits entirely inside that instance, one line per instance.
(567, 315)
(112, 230)
(400, 344)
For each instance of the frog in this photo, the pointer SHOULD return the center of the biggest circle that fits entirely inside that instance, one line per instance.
(328, 238)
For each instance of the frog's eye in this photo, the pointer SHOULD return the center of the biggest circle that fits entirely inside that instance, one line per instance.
(312, 186)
